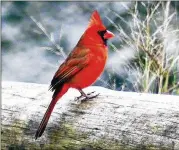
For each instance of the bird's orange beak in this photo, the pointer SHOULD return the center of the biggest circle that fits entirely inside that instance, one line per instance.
(108, 35)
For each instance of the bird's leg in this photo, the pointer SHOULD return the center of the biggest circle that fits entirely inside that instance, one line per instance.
(82, 94)
(87, 96)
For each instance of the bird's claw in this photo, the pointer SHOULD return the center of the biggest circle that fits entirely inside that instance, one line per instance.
(89, 97)
(78, 98)
(91, 93)
(86, 97)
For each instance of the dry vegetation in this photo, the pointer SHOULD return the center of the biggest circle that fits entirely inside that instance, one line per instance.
(155, 38)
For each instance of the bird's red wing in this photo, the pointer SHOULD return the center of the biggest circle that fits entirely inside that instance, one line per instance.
(76, 61)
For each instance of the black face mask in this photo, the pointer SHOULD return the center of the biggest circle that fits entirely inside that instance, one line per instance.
(101, 33)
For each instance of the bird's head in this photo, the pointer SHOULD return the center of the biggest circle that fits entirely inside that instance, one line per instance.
(96, 30)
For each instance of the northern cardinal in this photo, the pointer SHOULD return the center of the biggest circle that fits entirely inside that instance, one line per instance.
(82, 67)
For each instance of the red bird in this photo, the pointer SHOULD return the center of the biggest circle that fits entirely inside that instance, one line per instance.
(82, 67)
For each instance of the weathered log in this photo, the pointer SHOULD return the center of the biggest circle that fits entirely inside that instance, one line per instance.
(113, 120)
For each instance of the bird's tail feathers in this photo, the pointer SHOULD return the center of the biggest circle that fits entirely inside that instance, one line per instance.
(49, 110)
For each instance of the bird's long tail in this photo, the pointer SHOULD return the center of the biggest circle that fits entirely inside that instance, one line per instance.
(48, 112)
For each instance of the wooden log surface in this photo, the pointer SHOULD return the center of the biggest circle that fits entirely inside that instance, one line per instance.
(113, 120)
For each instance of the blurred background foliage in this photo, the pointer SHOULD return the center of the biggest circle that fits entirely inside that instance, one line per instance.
(143, 57)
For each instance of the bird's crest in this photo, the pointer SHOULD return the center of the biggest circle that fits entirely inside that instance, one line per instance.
(95, 19)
